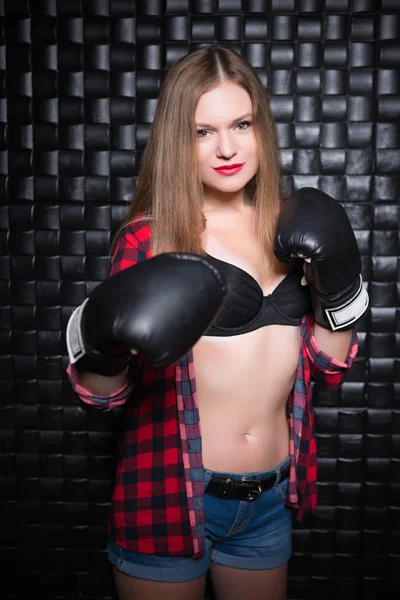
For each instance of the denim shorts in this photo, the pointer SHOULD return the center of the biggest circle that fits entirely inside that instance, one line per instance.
(239, 534)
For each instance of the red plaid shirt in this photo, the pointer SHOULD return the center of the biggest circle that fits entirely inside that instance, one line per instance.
(157, 503)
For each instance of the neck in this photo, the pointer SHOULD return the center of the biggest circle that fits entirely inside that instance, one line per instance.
(216, 200)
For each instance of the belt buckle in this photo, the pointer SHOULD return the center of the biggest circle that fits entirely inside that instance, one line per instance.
(227, 493)
(257, 490)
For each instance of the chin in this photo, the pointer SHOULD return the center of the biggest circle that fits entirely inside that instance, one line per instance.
(224, 190)
(230, 189)
(228, 184)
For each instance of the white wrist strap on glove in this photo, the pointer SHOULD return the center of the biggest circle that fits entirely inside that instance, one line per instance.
(75, 345)
(349, 312)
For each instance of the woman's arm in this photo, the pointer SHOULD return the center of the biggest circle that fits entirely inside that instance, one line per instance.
(99, 391)
(330, 365)
(100, 385)
(109, 391)
(333, 343)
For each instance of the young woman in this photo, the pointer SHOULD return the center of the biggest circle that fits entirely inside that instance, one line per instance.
(218, 450)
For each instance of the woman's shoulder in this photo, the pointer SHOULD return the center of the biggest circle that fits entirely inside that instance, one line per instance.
(135, 234)
(140, 227)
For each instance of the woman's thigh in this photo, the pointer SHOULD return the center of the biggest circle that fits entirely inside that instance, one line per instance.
(133, 588)
(235, 584)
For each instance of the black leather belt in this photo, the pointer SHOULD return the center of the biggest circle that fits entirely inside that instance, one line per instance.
(245, 489)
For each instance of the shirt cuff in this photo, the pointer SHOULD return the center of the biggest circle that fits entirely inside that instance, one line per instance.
(113, 400)
(324, 362)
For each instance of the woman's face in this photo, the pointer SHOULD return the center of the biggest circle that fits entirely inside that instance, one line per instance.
(225, 136)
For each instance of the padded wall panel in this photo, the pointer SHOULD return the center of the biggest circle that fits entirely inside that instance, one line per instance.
(79, 82)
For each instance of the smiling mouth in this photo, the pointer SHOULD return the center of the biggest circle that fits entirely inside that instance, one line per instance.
(229, 167)
(232, 170)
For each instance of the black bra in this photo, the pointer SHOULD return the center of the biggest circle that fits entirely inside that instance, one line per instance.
(245, 308)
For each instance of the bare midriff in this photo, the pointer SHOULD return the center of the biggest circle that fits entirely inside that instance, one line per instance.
(243, 383)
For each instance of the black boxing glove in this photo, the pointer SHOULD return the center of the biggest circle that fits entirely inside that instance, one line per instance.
(159, 307)
(314, 227)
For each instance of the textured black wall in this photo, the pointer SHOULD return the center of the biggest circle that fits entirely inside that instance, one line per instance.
(79, 81)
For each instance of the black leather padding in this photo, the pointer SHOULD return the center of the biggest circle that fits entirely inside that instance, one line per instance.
(79, 82)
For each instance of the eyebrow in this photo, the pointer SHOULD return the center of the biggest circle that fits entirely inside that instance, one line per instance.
(249, 114)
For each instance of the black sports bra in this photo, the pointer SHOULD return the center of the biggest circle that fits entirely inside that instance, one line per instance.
(245, 308)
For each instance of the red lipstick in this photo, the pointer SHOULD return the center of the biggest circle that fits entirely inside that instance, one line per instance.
(229, 169)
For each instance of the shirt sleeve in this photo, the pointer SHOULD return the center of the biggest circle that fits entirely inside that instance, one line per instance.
(128, 251)
(115, 399)
(324, 369)
(129, 248)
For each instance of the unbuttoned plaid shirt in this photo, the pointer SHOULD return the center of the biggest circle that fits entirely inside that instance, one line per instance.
(157, 502)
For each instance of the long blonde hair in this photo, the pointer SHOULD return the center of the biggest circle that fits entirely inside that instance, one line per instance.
(169, 190)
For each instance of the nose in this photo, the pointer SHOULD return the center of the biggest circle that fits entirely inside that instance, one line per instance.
(226, 145)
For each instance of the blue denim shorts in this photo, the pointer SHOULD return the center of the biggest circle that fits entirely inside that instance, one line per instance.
(239, 534)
